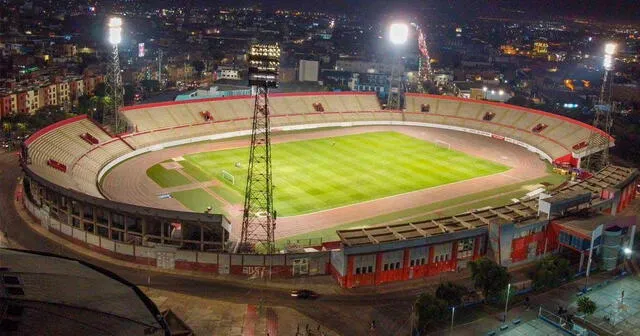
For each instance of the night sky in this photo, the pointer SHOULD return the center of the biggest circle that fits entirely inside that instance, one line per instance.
(606, 10)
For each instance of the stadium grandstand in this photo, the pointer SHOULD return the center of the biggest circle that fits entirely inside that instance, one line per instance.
(65, 162)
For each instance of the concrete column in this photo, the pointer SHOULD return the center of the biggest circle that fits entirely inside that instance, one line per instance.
(143, 227)
(70, 213)
(81, 221)
(109, 223)
(223, 237)
(126, 229)
(162, 233)
(95, 221)
(202, 236)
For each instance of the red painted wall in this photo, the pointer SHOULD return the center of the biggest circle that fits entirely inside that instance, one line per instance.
(520, 246)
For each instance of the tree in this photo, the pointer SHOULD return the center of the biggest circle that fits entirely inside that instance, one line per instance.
(550, 272)
(6, 128)
(586, 305)
(198, 66)
(85, 105)
(21, 128)
(100, 104)
(451, 293)
(429, 310)
(519, 101)
(150, 85)
(488, 276)
(129, 94)
(100, 90)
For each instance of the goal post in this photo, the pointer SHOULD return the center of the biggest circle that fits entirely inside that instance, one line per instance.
(229, 177)
(443, 144)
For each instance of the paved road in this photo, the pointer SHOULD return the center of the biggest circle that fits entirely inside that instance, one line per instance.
(348, 315)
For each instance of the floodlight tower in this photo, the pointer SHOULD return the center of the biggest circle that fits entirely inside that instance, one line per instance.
(398, 35)
(598, 148)
(259, 217)
(114, 87)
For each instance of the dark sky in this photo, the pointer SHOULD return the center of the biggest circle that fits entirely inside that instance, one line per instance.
(606, 10)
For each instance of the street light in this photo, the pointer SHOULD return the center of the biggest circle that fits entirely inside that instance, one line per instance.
(506, 304)
(398, 33)
(627, 251)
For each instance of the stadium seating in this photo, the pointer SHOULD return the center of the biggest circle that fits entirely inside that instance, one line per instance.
(65, 156)
(72, 153)
(555, 135)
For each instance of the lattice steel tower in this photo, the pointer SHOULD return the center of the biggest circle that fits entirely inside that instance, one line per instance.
(259, 216)
(398, 35)
(598, 144)
(114, 87)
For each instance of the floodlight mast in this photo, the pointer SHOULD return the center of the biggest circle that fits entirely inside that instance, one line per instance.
(598, 148)
(259, 216)
(114, 87)
(398, 35)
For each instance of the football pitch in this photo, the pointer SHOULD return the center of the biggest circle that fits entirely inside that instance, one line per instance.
(320, 174)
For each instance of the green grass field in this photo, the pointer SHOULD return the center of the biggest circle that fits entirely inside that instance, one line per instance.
(314, 175)
(198, 200)
(166, 178)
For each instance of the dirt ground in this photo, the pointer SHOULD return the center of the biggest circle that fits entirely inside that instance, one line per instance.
(128, 182)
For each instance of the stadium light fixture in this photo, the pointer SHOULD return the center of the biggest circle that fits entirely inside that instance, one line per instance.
(398, 33)
(115, 30)
(609, 50)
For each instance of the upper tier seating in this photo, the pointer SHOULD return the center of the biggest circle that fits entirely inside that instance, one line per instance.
(61, 153)
(555, 135)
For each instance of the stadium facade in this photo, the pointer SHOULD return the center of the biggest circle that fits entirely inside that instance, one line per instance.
(65, 162)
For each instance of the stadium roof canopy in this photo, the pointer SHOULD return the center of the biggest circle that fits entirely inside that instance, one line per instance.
(609, 178)
(44, 294)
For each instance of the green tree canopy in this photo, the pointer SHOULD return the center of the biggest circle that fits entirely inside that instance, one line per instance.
(101, 89)
(150, 85)
(488, 276)
(550, 272)
(586, 305)
(451, 293)
(429, 310)
(129, 94)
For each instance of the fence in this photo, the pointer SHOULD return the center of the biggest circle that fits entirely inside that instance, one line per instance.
(557, 321)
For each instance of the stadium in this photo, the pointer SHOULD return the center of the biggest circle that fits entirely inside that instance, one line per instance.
(366, 194)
